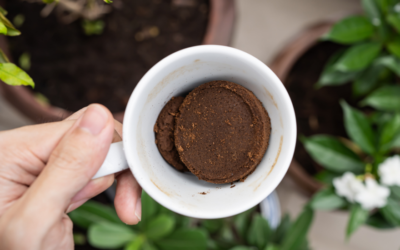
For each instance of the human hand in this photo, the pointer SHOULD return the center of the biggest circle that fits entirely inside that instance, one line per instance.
(46, 171)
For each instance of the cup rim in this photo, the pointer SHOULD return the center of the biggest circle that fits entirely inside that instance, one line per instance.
(133, 100)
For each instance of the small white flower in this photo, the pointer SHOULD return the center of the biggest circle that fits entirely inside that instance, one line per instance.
(397, 8)
(376, 21)
(389, 171)
(372, 195)
(348, 186)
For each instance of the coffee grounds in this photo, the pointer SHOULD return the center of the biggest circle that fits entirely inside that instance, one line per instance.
(164, 129)
(221, 132)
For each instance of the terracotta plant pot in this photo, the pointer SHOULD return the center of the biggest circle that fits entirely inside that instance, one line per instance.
(282, 65)
(219, 31)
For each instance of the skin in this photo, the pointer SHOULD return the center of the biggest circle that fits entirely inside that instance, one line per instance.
(46, 171)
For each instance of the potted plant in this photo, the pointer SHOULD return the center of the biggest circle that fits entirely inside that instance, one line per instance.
(301, 65)
(101, 60)
(360, 173)
(163, 229)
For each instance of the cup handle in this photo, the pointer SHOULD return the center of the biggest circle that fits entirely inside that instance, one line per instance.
(115, 161)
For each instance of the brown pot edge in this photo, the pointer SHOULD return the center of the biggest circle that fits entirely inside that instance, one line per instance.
(281, 66)
(219, 31)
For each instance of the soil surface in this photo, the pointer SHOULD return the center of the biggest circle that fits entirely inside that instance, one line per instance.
(317, 111)
(73, 69)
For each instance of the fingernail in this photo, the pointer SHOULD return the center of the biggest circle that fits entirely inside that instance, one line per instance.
(75, 205)
(138, 209)
(94, 119)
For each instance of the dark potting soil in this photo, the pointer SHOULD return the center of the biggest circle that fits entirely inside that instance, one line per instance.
(317, 110)
(73, 70)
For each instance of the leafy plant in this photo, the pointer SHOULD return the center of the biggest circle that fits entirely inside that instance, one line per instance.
(9, 72)
(360, 174)
(372, 57)
(161, 229)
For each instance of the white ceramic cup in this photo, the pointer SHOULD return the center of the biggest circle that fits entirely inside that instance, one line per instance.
(177, 75)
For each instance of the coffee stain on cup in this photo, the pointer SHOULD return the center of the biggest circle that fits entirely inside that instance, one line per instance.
(271, 97)
(160, 86)
(273, 165)
(274, 103)
(162, 190)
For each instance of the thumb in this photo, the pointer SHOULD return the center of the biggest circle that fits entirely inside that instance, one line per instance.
(72, 164)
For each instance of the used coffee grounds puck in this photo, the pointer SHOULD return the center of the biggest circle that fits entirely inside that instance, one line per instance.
(164, 129)
(221, 132)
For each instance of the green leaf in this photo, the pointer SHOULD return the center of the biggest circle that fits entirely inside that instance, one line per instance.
(379, 222)
(242, 222)
(159, 227)
(3, 11)
(391, 211)
(385, 5)
(396, 142)
(391, 63)
(368, 80)
(358, 216)
(148, 246)
(164, 210)
(93, 27)
(79, 239)
(12, 75)
(389, 132)
(380, 118)
(358, 128)
(11, 30)
(376, 17)
(3, 29)
(108, 1)
(25, 61)
(19, 20)
(184, 239)
(298, 232)
(226, 234)
(109, 235)
(260, 232)
(394, 46)
(395, 192)
(183, 222)
(386, 98)
(326, 177)
(327, 199)
(332, 77)
(358, 56)
(136, 244)
(149, 207)
(271, 247)
(332, 154)
(371, 8)
(93, 212)
(282, 230)
(49, 1)
(394, 20)
(241, 248)
(3, 57)
(350, 30)
(212, 226)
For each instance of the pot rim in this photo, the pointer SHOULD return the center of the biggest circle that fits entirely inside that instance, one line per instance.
(281, 65)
